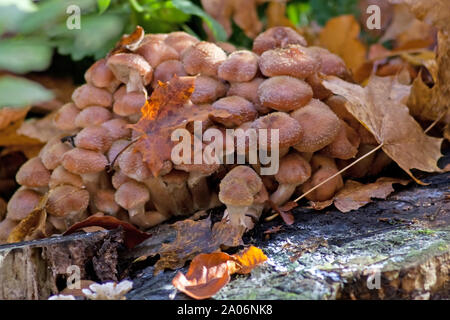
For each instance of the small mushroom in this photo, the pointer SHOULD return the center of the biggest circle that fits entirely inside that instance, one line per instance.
(240, 66)
(64, 118)
(128, 103)
(284, 93)
(345, 145)
(94, 138)
(294, 171)
(249, 91)
(131, 69)
(6, 226)
(22, 203)
(180, 41)
(207, 90)
(132, 196)
(277, 37)
(132, 165)
(68, 202)
(104, 200)
(61, 176)
(167, 70)
(321, 126)
(101, 76)
(33, 174)
(239, 110)
(294, 60)
(322, 168)
(52, 153)
(119, 179)
(92, 116)
(88, 95)
(117, 128)
(203, 58)
(156, 52)
(238, 191)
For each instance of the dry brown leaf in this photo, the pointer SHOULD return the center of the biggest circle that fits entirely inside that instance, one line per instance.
(276, 15)
(10, 115)
(208, 273)
(10, 137)
(355, 195)
(169, 108)
(193, 238)
(340, 36)
(33, 226)
(133, 236)
(435, 12)
(380, 108)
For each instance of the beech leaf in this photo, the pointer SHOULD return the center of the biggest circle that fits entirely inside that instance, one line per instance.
(380, 108)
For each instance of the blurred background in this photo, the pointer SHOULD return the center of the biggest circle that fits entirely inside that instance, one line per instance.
(42, 60)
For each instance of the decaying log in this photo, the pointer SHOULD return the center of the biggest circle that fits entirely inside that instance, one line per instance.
(38, 269)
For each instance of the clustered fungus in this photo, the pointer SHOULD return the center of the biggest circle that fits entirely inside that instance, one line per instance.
(277, 85)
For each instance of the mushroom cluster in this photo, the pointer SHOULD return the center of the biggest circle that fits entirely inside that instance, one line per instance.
(277, 85)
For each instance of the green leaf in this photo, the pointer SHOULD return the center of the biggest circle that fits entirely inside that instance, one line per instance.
(20, 92)
(103, 5)
(24, 55)
(190, 8)
(12, 13)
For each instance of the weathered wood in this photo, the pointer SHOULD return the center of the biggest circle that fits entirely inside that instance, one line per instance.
(38, 269)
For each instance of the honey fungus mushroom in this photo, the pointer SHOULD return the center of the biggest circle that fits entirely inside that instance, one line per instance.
(320, 126)
(346, 144)
(88, 95)
(22, 203)
(277, 37)
(131, 69)
(203, 58)
(244, 194)
(33, 174)
(68, 202)
(240, 66)
(239, 111)
(207, 90)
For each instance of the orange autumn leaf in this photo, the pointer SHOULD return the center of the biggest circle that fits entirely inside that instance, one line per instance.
(208, 273)
(340, 36)
(129, 42)
(276, 15)
(168, 109)
(380, 107)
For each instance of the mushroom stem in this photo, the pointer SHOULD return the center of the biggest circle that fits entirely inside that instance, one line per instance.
(283, 194)
(139, 210)
(236, 215)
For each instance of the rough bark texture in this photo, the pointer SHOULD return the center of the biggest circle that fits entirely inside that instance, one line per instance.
(38, 269)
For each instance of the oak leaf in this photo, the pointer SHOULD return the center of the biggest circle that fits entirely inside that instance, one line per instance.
(208, 273)
(168, 109)
(380, 108)
(340, 36)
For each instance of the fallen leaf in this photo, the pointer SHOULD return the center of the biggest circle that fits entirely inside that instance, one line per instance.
(276, 15)
(380, 108)
(10, 137)
(340, 36)
(193, 238)
(355, 195)
(133, 236)
(169, 108)
(273, 230)
(40, 129)
(129, 42)
(208, 273)
(10, 115)
(33, 226)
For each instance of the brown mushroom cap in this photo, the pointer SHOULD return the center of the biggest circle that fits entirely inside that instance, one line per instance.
(62, 176)
(295, 61)
(64, 118)
(104, 201)
(203, 58)
(293, 170)
(320, 126)
(239, 110)
(132, 164)
(157, 51)
(52, 153)
(131, 69)
(180, 41)
(6, 226)
(117, 128)
(167, 70)
(99, 74)
(330, 63)
(345, 145)
(240, 186)
(240, 66)
(88, 95)
(247, 90)
(284, 93)
(131, 195)
(116, 148)
(290, 131)
(207, 90)
(22, 203)
(277, 37)
(92, 116)
(119, 179)
(33, 174)
(67, 200)
(127, 104)
(81, 161)
(94, 138)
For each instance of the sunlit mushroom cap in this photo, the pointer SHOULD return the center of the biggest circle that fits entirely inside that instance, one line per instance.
(240, 66)
(131, 69)
(64, 118)
(277, 37)
(66, 200)
(240, 186)
(99, 74)
(88, 95)
(33, 174)
(294, 169)
(203, 58)
(81, 161)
